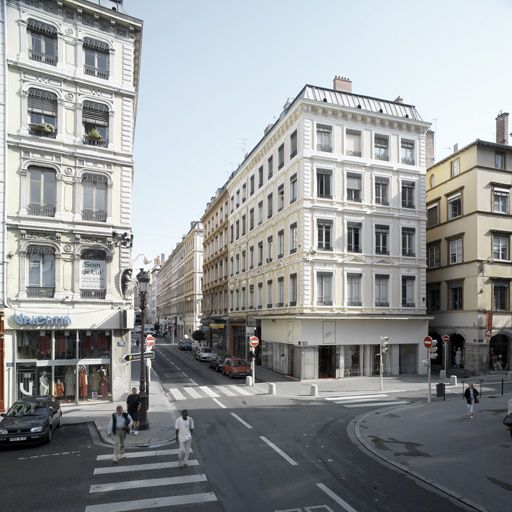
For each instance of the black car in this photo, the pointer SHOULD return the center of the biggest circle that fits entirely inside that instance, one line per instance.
(216, 362)
(184, 345)
(30, 420)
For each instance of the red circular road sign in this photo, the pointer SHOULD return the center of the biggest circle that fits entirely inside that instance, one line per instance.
(254, 341)
(150, 340)
(427, 341)
(446, 338)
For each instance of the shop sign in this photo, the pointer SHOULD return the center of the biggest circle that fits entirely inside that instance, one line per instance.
(217, 326)
(92, 274)
(42, 320)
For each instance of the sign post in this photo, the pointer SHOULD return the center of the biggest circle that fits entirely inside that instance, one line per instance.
(150, 343)
(446, 339)
(427, 341)
(253, 342)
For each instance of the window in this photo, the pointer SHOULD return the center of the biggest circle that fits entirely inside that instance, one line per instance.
(280, 292)
(324, 137)
(293, 238)
(293, 289)
(500, 200)
(408, 291)
(269, 249)
(251, 218)
(407, 151)
(407, 194)
(260, 212)
(244, 260)
(324, 231)
(293, 188)
(354, 290)
(293, 144)
(353, 143)
(382, 190)
(95, 117)
(454, 206)
(434, 255)
(354, 236)
(42, 42)
(244, 223)
(41, 272)
(251, 257)
(96, 58)
(251, 296)
(237, 299)
(237, 229)
(324, 288)
(43, 192)
(259, 297)
(270, 163)
(95, 197)
(433, 297)
(500, 246)
(232, 204)
(353, 187)
(381, 239)
(500, 295)
(270, 201)
(381, 290)
(432, 215)
(280, 197)
(280, 156)
(381, 147)
(455, 247)
(280, 244)
(251, 185)
(260, 177)
(232, 228)
(232, 265)
(455, 295)
(237, 195)
(237, 266)
(323, 183)
(269, 293)
(408, 242)
(499, 160)
(93, 286)
(42, 113)
(232, 301)
(244, 192)
(454, 167)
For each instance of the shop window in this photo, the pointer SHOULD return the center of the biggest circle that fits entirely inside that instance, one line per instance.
(65, 344)
(94, 344)
(34, 345)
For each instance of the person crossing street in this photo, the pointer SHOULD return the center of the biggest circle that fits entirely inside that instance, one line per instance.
(184, 429)
(119, 425)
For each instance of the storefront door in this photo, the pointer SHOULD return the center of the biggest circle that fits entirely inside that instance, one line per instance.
(327, 362)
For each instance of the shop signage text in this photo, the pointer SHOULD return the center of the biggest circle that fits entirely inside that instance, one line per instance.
(92, 274)
(42, 320)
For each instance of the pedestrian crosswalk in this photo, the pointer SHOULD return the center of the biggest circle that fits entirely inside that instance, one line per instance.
(194, 392)
(377, 400)
(147, 480)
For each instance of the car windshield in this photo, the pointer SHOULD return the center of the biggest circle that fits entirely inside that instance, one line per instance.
(27, 409)
(206, 350)
(239, 362)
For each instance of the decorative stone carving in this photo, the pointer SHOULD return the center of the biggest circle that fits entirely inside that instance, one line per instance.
(68, 248)
(127, 283)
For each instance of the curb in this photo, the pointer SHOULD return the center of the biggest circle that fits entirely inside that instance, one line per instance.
(455, 495)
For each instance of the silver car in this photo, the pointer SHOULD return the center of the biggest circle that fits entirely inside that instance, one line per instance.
(204, 353)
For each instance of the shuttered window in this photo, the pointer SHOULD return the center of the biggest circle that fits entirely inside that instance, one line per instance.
(95, 118)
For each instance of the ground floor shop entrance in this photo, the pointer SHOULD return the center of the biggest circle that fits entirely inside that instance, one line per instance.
(327, 362)
(499, 353)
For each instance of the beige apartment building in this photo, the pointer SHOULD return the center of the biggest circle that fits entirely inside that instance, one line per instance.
(215, 271)
(468, 254)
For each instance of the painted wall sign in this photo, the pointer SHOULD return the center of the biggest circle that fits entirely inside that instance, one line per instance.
(42, 320)
(92, 274)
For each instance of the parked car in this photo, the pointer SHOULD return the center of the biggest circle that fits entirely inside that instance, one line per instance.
(236, 367)
(217, 361)
(184, 345)
(203, 353)
(30, 420)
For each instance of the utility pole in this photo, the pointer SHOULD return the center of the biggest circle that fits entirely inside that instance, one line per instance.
(383, 349)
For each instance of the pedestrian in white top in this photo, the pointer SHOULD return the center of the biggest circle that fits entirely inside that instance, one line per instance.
(120, 424)
(184, 428)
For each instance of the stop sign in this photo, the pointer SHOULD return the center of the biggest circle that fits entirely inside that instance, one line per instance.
(254, 341)
(427, 341)
(446, 338)
(150, 341)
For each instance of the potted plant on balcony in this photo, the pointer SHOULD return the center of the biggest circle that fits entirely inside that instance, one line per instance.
(94, 135)
(44, 128)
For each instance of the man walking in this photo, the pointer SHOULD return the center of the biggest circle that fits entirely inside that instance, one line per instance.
(133, 405)
(471, 396)
(120, 423)
(184, 428)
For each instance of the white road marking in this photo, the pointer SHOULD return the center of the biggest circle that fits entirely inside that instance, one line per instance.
(50, 455)
(279, 451)
(192, 392)
(360, 401)
(193, 382)
(355, 397)
(184, 375)
(207, 391)
(149, 453)
(177, 367)
(225, 390)
(340, 501)
(167, 501)
(243, 422)
(240, 391)
(220, 404)
(150, 482)
(141, 467)
(377, 404)
(176, 394)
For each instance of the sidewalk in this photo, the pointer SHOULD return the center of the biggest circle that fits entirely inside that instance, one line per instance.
(437, 443)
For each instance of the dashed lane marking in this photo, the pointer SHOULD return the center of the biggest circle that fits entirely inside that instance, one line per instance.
(48, 455)
(340, 501)
(220, 404)
(243, 422)
(287, 458)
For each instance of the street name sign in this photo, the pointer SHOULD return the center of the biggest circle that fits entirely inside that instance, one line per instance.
(136, 357)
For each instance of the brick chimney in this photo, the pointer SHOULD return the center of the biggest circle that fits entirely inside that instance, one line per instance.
(502, 128)
(342, 84)
(429, 149)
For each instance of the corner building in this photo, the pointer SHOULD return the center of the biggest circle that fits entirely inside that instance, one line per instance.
(72, 80)
(327, 237)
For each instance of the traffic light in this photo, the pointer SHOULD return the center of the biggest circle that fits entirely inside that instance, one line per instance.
(384, 345)
(433, 350)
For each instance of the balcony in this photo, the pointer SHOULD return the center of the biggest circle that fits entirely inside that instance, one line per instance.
(91, 141)
(93, 71)
(40, 292)
(94, 215)
(45, 130)
(41, 57)
(324, 147)
(408, 160)
(353, 153)
(41, 211)
(382, 304)
(93, 294)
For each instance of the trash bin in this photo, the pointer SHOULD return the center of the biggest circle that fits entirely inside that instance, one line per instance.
(440, 390)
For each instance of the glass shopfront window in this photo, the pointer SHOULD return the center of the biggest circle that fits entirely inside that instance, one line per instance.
(65, 344)
(34, 345)
(352, 358)
(94, 344)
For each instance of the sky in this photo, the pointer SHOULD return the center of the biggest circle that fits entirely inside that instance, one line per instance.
(216, 72)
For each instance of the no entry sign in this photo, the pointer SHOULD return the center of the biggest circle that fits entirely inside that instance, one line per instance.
(446, 338)
(254, 341)
(427, 341)
(150, 341)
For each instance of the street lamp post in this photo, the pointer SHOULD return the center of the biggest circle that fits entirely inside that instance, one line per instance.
(383, 349)
(143, 280)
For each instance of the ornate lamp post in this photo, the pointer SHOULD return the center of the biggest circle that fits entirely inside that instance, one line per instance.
(143, 280)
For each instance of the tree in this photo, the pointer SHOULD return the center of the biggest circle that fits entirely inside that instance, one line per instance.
(198, 335)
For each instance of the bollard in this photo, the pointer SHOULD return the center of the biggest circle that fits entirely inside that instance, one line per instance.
(271, 388)
(442, 374)
(453, 380)
(314, 390)
(248, 381)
